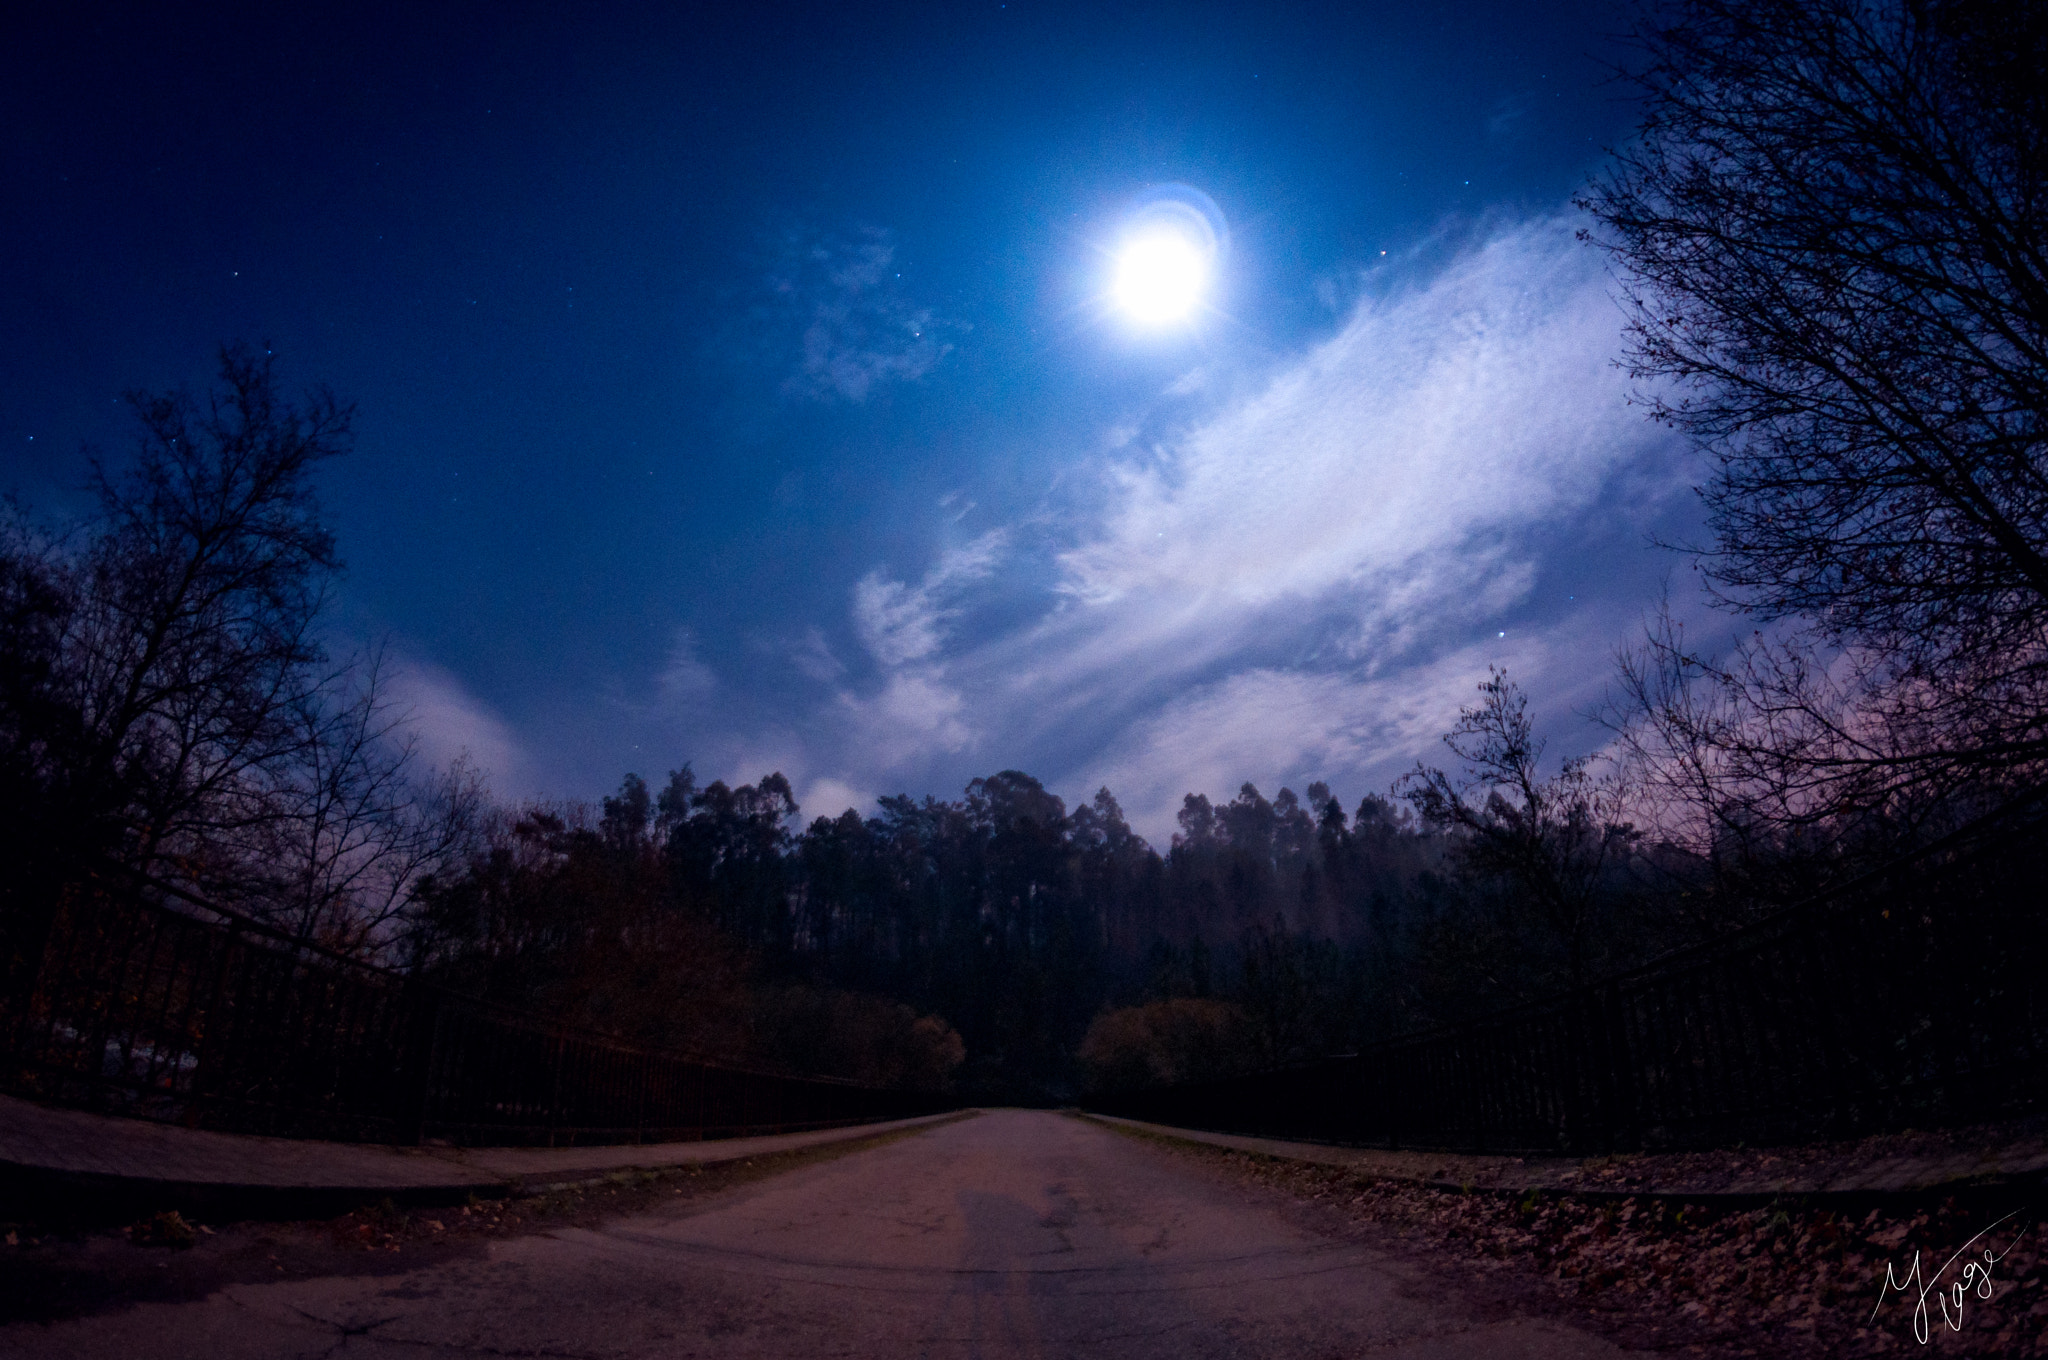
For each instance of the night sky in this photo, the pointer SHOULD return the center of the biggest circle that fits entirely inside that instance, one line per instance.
(746, 385)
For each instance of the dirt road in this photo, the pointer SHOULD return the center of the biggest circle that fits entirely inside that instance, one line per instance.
(1013, 1234)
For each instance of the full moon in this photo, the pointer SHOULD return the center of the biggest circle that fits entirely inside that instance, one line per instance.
(1160, 276)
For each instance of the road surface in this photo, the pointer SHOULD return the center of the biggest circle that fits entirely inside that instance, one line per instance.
(1013, 1234)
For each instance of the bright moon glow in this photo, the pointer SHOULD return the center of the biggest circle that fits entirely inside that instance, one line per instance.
(1160, 277)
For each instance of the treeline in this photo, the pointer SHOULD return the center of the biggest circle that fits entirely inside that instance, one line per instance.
(171, 725)
(1061, 947)
(613, 923)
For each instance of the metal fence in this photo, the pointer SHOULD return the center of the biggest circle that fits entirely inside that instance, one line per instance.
(1915, 996)
(137, 1008)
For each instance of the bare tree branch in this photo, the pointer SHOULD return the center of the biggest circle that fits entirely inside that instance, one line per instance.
(1829, 236)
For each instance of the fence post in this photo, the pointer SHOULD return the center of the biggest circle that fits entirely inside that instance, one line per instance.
(1572, 1076)
(644, 1067)
(423, 1042)
(1622, 1083)
(558, 1051)
(25, 961)
(31, 907)
(205, 1071)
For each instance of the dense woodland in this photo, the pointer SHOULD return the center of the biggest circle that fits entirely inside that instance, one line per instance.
(1828, 236)
(1303, 929)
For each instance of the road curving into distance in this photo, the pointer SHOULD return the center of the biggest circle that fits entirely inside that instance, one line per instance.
(1013, 1234)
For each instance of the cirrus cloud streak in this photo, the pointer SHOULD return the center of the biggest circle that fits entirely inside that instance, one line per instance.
(1306, 580)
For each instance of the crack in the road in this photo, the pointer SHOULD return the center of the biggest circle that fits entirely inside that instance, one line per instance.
(509, 1352)
(346, 1331)
(342, 1330)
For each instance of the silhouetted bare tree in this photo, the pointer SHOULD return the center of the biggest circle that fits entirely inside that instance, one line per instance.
(356, 821)
(167, 705)
(1555, 842)
(1830, 238)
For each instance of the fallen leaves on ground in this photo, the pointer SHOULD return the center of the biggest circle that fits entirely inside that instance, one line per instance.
(1784, 1279)
(167, 1229)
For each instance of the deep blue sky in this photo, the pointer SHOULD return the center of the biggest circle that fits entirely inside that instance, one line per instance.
(737, 386)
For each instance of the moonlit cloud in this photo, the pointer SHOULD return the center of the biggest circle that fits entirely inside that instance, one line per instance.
(917, 714)
(780, 751)
(900, 623)
(813, 656)
(828, 797)
(684, 679)
(1437, 420)
(1307, 580)
(1276, 727)
(1508, 119)
(857, 328)
(917, 711)
(448, 723)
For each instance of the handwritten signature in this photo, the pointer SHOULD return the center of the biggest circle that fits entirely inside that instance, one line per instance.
(1974, 1279)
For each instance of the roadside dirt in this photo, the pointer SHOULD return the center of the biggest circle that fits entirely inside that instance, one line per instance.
(50, 1271)
(1662, 1274)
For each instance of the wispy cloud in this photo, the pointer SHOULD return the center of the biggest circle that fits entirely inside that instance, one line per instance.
(1308, 580)
(857, 327)
(1506, 121)
(813, 655)
(1432, 425)
(1273, 726)
(828, 797)
(917, 711)
(449, 723)
(684, 679)
(779, 750)
(901, 623)
(916, 715)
